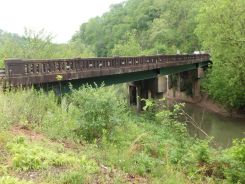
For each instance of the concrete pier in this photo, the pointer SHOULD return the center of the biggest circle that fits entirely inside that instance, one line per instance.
(183, 85)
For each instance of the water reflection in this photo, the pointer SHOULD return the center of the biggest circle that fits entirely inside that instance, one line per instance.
(223, 129)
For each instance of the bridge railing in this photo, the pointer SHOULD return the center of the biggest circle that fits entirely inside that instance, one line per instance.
(26, 72)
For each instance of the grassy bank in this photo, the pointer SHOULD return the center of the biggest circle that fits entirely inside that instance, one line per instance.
(91, 136)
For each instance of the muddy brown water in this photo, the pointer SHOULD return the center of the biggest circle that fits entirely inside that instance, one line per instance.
(222, 129)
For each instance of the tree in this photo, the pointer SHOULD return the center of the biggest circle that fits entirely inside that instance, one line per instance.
(38, 45)
(221, 26)
(127, 47)
(162, 26)
(10, 46)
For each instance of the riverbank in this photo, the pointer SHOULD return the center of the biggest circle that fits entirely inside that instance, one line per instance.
(206, 102)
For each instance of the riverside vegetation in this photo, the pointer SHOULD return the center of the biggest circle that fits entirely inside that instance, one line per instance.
(92, 136)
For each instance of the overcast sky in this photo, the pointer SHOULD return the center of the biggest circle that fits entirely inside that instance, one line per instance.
(62, 18)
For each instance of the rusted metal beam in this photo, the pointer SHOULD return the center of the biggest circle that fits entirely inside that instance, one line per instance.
(21, 72)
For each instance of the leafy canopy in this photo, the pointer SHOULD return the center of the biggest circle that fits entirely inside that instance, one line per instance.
(221, 30)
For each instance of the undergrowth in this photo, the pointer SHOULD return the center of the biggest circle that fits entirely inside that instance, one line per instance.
(12, 180)
(107, 142)
(26, 156)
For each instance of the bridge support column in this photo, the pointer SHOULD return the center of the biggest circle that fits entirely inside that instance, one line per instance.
(178, 81)
(139, 90)
(199, 73)
(136, 93)
(139, 105)
(161, 84)
(172, 85)
(141, 93)
(179, 85)
(132, 94)
(196, 89)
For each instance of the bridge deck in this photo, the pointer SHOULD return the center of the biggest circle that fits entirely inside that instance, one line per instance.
(28, 72)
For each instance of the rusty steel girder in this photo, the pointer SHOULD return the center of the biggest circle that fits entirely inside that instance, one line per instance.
(28, 72)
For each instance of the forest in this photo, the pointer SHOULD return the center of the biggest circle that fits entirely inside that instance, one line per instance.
(91, 135)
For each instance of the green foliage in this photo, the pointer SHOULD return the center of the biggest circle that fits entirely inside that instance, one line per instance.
(149, 108)
(37, 109)
(157, 148)
(73, 177)
(24, 107)
(100, 109)
(202, 151)
(128, 47)
(144, 147)
(224, 37)
(143, 164)
(237, 151)
(12, 180)
(234, 159)
(62, 117)
(38, 45)
(167, 118)
(10, 44)
(79, 175)
(159, 27)
(33, 157)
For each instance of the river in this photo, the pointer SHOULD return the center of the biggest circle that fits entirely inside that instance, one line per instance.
(222, 129)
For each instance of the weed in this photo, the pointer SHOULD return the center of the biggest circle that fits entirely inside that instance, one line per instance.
(99, 110)
(234, 159)
(72, 177)
(12, 180)
(32, 157)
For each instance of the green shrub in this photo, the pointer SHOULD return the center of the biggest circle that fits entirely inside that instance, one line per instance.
(39, 110)
(143, 164)
(202, 151)
(27, 156)
(100, 110)
(78, 174)
(234, 159)
(73, 177)
(60, 122)
(27, 107)
(12, 180)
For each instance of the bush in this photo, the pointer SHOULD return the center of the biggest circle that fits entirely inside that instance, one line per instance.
(234, 159)
(100, 110)
(33, 157)
(202, 151)
(73, 177)
(60, 122)
(143, 164)
(27, 107)
(12, 180)
(79, 176)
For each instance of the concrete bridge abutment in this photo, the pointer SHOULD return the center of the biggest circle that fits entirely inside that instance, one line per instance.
(183, 86)
(143, 89)
(146, 89)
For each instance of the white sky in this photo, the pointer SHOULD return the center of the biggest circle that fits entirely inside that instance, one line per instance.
(62, 18)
